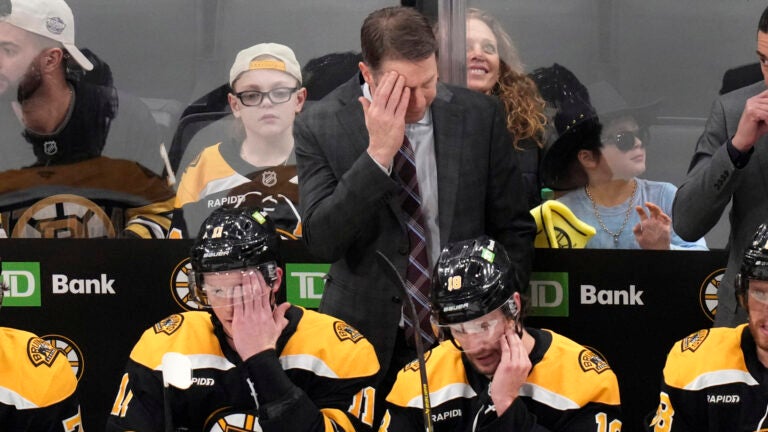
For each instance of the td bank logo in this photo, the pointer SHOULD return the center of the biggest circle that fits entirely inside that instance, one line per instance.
(23, 280)
(549, 294)
(304, 284)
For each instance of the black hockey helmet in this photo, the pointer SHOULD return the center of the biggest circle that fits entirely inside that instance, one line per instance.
(234, 239)
(754, 265)
(472, 278)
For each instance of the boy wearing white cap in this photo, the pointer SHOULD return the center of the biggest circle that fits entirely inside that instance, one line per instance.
(257, 163)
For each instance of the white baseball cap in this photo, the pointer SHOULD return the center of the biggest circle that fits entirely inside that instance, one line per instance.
(284, 61)
(50, 18)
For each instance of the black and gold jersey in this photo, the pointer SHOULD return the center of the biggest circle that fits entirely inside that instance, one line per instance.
(219, 177)
(318, 379)
(713, 381)
(569, 388)
(94, 198)
(37, 385)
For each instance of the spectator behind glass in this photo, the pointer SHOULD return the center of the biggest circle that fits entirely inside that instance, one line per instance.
(730, 165)
(39, 388)
(257, 164)
(494, 68)
(602, 162)
(70, 190)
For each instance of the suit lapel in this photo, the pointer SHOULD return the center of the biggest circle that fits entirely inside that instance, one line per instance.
(449, 131)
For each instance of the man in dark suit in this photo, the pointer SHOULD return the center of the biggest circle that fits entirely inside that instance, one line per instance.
(467, 175)
(730, 163)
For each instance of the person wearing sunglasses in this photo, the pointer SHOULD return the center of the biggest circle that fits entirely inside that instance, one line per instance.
(252, 364)
(715, 379)
(257, 162)
(600, 155)
(491, 372)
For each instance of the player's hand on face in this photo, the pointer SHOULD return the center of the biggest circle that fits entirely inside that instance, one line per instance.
(255, 326)
(385, 116)
(655, 228)
(512, 371)
(753, 123)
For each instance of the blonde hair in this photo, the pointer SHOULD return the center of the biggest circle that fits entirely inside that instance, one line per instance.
(519, 94)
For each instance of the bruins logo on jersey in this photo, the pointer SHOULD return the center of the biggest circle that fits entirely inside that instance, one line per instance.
(169, 325)
(591, 361)
(64, 215)
(345, 331)
(70, 350)
(414, 364)
(227, 421)
(41, 352)
(694, 341)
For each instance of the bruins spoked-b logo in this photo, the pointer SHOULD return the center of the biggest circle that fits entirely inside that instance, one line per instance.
(227, 421)
(345, 331)
(64, 216)
(694, 341)
(181, 290)
(708, 293)
(169, 325)
(591, 360)
(70, 350)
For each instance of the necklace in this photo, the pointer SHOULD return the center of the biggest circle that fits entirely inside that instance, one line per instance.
(615, 235)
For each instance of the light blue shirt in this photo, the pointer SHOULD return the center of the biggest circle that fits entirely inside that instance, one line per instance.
(660, 193)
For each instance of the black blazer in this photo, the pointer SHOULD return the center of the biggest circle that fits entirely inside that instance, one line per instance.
(349, 205)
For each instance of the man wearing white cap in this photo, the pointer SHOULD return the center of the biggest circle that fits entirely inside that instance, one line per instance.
(66, 121)
(257, 163)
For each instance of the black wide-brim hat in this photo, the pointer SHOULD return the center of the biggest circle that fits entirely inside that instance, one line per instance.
(560, 167)
(609, 104)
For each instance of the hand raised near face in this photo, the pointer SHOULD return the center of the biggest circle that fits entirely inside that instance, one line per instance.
(753, 123)
(512, 370)
(255, 326)
(385, 117)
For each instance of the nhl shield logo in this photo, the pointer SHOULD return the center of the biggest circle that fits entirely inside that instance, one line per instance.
(269, 178)
(50, 148)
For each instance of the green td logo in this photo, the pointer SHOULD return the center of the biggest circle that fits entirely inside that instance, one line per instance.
(23, 280)
(549, 294)
(304, 284)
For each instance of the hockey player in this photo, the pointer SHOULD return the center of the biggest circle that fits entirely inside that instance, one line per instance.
(715, 379)
(494, 374)
(255, 365)
(37, 385)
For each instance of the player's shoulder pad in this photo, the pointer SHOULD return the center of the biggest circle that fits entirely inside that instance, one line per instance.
(712, 353)
(334, 347)
(34, 374)
(186, 333)
(445, 374)
(575, 372)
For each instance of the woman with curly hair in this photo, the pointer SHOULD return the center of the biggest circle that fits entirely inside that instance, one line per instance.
(494, 68)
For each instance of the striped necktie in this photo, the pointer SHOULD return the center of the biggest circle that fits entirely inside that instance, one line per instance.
(417, 275)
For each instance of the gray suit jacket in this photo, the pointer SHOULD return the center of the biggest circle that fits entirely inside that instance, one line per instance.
(713, 181)
(350, 210)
